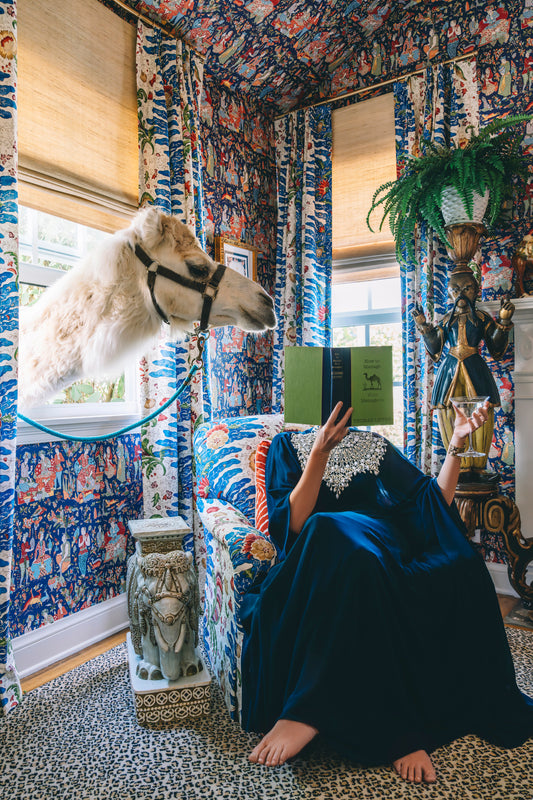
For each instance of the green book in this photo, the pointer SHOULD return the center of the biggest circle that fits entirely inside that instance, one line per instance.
(317, 378)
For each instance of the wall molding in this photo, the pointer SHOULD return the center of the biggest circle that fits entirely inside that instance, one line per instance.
(500, 578)
(48, 644)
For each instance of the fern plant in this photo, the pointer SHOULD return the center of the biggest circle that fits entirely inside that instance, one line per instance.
(491, 159)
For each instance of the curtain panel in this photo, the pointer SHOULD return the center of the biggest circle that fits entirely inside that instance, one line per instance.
(10, 691)
(169, 86)
(304, 235)
(438, 107)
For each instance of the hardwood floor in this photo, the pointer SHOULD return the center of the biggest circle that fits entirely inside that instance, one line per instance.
(43, 676)
(507, 603)
(66, 664)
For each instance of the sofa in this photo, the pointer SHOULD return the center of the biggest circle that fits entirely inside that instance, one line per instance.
(238, 547)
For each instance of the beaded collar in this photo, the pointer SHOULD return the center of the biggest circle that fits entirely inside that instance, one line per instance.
(359, 451)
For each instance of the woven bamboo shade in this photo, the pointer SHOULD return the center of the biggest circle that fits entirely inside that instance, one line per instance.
(77, 111)
(364, 157)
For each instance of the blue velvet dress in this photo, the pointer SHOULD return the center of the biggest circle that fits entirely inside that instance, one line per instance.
(380, 625)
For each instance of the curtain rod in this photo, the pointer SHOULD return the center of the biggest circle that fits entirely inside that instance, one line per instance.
(380, 85)
(166, 28)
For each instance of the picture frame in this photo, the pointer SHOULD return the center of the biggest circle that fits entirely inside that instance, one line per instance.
(240, 256)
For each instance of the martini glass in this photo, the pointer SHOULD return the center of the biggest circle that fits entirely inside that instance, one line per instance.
(468, 405)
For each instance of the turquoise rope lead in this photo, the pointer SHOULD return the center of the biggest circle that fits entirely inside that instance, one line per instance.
(193, 370)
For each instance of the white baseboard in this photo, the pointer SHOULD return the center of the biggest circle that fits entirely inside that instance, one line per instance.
(51, 643)
(500, 578)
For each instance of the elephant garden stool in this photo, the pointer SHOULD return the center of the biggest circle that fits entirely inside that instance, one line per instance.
(169, 682)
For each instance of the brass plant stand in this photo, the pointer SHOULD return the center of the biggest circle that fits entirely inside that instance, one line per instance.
(464, 239)
(480, 504)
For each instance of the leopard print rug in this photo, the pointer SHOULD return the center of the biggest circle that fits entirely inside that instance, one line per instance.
(76, 738)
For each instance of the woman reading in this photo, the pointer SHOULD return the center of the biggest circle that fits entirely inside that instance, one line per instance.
(379, 627)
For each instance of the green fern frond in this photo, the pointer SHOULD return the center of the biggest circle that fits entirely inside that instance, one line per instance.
(492, 159)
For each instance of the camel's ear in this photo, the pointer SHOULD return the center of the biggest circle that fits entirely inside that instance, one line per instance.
(149, 224)
(180, 234)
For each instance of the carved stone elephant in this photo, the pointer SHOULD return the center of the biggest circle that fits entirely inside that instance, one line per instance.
(163, 606)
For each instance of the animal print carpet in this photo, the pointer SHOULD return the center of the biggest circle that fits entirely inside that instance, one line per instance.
(76, 738)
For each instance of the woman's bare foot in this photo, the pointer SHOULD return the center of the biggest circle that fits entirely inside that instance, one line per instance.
(284, 741)
(416, 767)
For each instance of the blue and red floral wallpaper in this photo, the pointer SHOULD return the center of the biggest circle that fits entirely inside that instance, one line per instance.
(240, 198)
(73, 503)
(290, 52)
(502, 36)
(262, 58)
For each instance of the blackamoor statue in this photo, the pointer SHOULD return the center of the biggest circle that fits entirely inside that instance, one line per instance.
(463, 371)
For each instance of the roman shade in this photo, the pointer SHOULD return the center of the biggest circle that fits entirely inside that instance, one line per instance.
(364, 157)
(77, 112)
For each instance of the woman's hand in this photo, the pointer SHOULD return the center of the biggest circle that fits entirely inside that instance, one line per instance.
(449, 474)
(464, 425)
(304, 495)
(332, 432)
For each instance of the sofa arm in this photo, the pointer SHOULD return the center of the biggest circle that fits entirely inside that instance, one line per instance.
(251, 552)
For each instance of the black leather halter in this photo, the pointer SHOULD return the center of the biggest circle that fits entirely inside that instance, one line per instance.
(208, 289)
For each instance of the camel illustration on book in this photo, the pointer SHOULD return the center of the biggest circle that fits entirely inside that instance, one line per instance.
(110, 306)
(373, 380)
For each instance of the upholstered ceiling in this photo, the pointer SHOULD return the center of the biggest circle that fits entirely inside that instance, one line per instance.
(287, 52)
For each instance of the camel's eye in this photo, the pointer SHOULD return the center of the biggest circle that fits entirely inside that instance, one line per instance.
(200, 271)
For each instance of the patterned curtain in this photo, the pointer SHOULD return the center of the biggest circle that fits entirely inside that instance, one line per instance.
(10, 692)
(437, 107)
(303, 257)
(169, 86)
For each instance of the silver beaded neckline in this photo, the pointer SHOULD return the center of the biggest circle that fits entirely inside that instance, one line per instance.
(359, 451)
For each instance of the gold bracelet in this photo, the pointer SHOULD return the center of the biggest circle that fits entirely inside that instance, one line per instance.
(454, 450)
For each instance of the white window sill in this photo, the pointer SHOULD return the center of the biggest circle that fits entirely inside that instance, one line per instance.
(90, 425)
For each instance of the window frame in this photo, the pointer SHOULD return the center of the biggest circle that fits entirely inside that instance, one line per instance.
(368, 268)
(74, 419)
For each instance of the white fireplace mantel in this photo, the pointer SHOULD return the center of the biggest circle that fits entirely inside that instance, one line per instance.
(523, 381)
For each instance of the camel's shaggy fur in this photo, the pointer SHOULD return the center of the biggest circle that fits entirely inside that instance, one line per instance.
(101, 312)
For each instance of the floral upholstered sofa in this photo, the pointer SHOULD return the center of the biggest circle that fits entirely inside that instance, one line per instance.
(237, 550)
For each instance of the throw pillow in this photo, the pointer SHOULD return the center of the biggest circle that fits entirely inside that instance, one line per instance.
(261, 511)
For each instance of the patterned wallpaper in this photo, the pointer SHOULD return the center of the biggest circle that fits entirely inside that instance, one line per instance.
(73, 503)
(502, 35)
(275, 50)
(274, 53)
(240, 199)
(505, 78)
(287, 52)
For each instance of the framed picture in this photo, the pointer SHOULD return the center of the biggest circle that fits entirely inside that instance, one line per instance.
(239, 256)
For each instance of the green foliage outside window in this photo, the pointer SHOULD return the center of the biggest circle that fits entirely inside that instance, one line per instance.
(49, 241)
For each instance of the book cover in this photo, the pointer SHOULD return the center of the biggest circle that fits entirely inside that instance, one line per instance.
(316, 378)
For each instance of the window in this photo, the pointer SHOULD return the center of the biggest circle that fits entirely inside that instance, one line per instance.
(78, 171)
(77, 111)
(366, 300)
(367, 312)
(49, 246)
